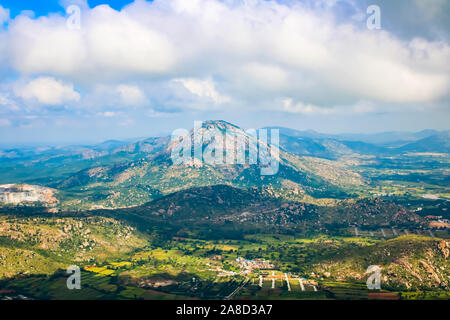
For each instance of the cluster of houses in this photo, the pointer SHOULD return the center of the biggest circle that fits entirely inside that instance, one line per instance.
(249, 265)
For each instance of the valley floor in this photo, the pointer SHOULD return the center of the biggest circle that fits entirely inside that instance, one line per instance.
(260, 266)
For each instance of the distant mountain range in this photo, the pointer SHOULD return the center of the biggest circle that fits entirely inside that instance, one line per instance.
(82, 152)
(324, 213)
(303, 143)
(392, 138)
(314, 144)
(117, 174)
(439, 143)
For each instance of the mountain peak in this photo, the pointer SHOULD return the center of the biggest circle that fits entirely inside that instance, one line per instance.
(219, 124)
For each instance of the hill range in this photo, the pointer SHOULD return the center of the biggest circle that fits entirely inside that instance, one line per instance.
(119, 203)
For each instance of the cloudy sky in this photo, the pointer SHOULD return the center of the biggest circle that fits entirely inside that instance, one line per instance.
(132, 69)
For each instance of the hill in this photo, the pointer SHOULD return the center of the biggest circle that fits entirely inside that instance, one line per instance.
(438, 143)
(406, 262)
(136, 182)
(221, 206)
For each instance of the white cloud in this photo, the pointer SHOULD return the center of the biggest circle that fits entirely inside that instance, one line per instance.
(360, 107)
(109, 44)
(257, 52)
(203, 89)
(47, 91)
(265, 76)
(131, 95)
(308, 109)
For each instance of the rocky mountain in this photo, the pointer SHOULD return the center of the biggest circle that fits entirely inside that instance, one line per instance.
(308, 166)
(370, 212)
(120, 184)
(220, 205)
(303, 143)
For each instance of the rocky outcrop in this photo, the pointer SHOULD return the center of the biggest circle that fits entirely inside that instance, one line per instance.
(443, 247)
(23, 193)
(430, 270)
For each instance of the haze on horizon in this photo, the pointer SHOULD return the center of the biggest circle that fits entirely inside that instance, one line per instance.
(145, 68)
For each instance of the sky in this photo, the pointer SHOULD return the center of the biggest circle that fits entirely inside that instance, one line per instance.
(76, 71)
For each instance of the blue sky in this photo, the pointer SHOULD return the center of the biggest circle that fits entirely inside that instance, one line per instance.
(43, 7)
(133, 69)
